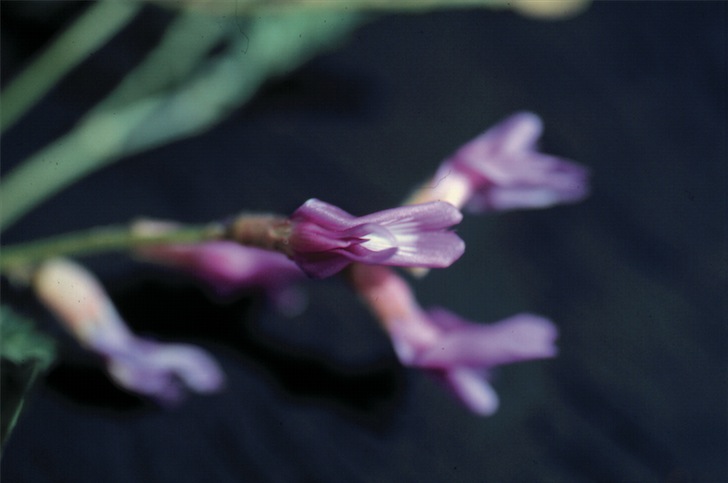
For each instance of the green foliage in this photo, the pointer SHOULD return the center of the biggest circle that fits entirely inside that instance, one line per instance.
(24, 354)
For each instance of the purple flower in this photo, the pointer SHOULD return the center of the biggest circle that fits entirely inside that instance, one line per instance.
(457, 352)
(325, 239)
(229, 267)
(161, 371)
(464, 352)
(502, 170)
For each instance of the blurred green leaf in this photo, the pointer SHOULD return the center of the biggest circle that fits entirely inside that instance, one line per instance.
(24, 354)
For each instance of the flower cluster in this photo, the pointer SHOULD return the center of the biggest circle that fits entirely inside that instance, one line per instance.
(499, 170)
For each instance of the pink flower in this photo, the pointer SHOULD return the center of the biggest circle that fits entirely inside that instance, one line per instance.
(325, 239)
(458, 352)
(160, 371)
(465, 352)
(502, 170)
(229, 267)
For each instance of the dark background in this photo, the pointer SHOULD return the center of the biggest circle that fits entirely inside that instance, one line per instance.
(635, 277)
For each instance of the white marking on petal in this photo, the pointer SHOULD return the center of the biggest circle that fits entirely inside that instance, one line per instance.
(377, 243)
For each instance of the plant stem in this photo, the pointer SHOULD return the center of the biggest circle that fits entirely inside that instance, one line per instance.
(270, 232)
(101, 239)
(222, 84)
(101, 21)
(263, 7)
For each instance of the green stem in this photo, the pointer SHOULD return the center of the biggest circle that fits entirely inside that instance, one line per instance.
(92, 29)
(262, 7)
(94, 143)
(101, 239)
(222, 85)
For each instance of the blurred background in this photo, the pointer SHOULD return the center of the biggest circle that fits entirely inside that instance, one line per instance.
(363, 110)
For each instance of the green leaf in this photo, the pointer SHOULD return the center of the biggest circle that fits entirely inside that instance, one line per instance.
(24, 354)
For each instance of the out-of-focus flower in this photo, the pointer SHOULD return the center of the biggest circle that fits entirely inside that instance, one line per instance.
(502, 170)
(458, 352)
(228, 267)
(160, 371)
(324, 239)
(465, 352)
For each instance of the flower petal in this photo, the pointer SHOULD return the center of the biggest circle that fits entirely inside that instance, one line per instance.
(324, 214)
(435, 250)
(435, 215)
(532, 181)
(516, 133)
(322, 265)
(518, 338)
(324, 239)
(162, 371)
(471, 388)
